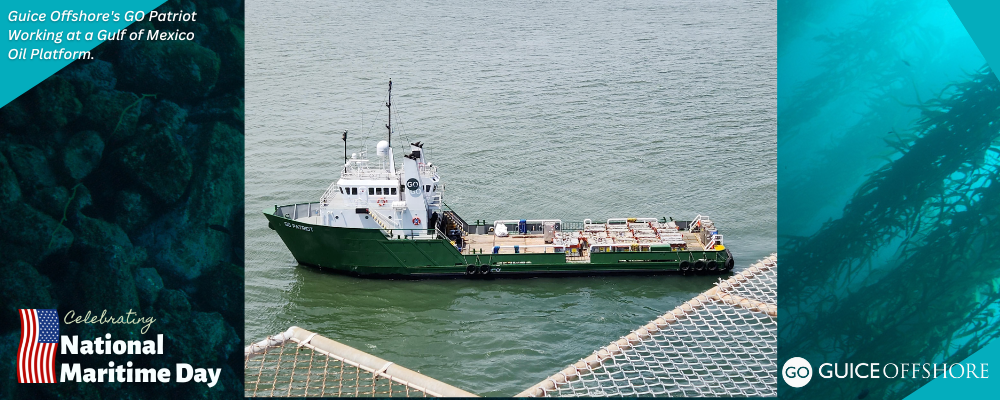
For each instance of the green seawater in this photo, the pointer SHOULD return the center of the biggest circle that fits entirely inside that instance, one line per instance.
(530, 110)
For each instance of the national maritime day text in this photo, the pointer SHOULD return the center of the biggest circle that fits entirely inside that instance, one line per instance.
(126, 372)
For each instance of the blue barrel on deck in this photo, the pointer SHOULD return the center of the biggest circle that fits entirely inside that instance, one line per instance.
(496, 249)
(522, 226)
(517, 249)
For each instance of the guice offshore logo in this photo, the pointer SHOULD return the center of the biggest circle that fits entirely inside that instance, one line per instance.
(797, 372)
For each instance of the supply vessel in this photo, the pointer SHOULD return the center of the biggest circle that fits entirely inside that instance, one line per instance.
(378, 220)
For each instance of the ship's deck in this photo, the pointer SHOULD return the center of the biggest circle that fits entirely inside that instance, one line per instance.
(534, 244)
(527, 243)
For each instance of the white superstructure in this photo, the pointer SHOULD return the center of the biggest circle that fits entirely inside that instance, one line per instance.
(373, 194)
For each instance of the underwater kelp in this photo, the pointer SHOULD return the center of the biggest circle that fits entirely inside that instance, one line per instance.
(862, 57)
(834, 125)
(796, 15)
(910, 272)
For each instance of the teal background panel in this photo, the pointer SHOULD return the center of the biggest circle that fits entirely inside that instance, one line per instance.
(21, 75)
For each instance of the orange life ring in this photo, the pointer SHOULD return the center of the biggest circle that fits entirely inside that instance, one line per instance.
(416, 220)
(381, 202)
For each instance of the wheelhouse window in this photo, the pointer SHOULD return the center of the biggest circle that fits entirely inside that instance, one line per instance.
(393, 191)
(341, 190)
(378, 191)
(354, 191)
(371, 191)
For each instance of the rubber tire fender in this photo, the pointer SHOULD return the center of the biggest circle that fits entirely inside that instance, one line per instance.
(471, 270)
(685, 266)
(730, 263)
(713, 265)
(699, 265)
(484, 269)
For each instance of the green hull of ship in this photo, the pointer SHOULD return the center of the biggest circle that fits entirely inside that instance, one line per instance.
(368, 252)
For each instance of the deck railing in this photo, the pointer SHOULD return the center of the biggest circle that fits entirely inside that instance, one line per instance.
(296, 211)
(415, 234)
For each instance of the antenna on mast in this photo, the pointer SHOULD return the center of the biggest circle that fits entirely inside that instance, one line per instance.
(344, 138)
(389, 105)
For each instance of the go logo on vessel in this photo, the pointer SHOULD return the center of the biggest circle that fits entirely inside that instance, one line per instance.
(413, 186)
(797, 372)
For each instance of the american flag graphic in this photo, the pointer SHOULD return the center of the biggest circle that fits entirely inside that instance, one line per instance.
(36, 357)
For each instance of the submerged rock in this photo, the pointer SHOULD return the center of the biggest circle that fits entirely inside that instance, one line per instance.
(105, 279)
(79, 198)
(23, 287)
(91, 76)
(97, 234)
(14, 115)
(131, 210)
(221, 289)
(169, 117)
(182, 242)
(10, 191)
(52, 201)
(228, 42)
(174, 302)
(148, 284)
(56, 102)
(216, 16)
(108, 112)
(157, 162)
(30, 235)
(8, 370)
(82, 154)
(31, 166)
(180, 70)
(228, 109)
